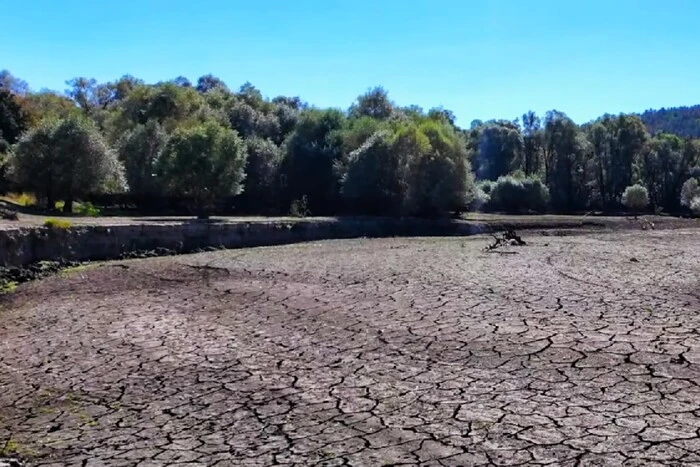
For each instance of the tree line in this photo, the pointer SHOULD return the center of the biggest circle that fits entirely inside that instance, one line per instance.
(213, 149)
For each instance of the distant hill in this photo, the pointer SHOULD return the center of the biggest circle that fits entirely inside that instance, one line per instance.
(682, 121)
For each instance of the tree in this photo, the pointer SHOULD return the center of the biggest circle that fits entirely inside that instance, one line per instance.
(205, 163)
(564, 151)
(12, 84)
(440, 178)
(374, 103)
(13, 118)
(139, 150)
(312, 151)
(498, 147)
(260, 188)
(635, 197)
(84, 92)
(532, 143)
(690, 194)
(209, 82)
(375, 181)
(68, 159)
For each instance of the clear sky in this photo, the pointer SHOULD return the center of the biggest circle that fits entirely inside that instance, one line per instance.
(481, 59)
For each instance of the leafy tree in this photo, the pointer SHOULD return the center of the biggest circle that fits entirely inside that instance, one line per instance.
(13, 118)
(205, 163)
(260, 188)
(209, 82)
(84, 92)
(690, 193)
(47, 105)
(139, 150)
(182, 82)
(498, 148)
(564, 151)
(518, 194)
(12, 84)
(635, 197)
(376, 178)
(532, 143)
(440, 177)
(374, 103)
(312, 151)
(68, 159)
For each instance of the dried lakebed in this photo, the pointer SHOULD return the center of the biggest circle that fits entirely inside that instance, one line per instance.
(575, 350)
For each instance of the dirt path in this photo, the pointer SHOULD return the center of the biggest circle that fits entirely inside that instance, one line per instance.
(580, 350)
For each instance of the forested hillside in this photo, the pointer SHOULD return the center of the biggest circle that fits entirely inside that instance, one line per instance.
(681, 121)
(206, 146)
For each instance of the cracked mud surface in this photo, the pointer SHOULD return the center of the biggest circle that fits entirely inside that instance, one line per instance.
(363, 352)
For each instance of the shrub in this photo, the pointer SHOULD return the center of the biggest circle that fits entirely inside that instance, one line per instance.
(482, 198)
(511, 194)
(58, 224)
(690, 194)
(695, 205)
(299, 207)
(21, 199)
(87, 209)
(635, 197)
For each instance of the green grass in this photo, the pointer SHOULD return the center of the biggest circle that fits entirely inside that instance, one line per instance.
(58, 224)
(7, 287)
(21, 199)
(80, 209)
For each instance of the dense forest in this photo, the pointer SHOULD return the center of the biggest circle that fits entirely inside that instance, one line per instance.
(681, 121)
(207, 148)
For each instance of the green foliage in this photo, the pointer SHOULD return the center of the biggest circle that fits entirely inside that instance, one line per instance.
(61, 224)
(66, 159)
(499, 148)
(204, 162)
(262, 166)
(690, 194)
(139, 150)
(375, 181)
(682, 121)
(312, 152)
(440, 178)
(13, 117)
(518, 194)
(87, 209)
(635, 197)
(374, 103)
(375, 158)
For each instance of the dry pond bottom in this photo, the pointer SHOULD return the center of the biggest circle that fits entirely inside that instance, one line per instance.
(572, 350)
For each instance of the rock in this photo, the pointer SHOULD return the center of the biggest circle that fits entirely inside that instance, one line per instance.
(10, 463)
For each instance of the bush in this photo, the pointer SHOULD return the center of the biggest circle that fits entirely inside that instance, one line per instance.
(511, 194)
(635, 197)
(87, 209)
(695, 205)
(58, 224)
(299, 207)
(21, 199)
(690, 194)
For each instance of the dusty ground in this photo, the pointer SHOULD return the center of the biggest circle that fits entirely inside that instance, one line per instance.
(576, 350)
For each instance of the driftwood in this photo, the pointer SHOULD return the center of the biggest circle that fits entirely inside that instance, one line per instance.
(508, 238)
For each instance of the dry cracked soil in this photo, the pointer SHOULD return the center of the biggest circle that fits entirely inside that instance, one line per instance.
(573, 350)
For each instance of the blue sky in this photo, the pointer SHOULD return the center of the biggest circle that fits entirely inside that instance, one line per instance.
(481, 59)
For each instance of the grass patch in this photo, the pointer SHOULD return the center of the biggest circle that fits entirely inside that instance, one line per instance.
(81, 209)
(58, 224)
(7, 287)
(12, 448)
(21, 199)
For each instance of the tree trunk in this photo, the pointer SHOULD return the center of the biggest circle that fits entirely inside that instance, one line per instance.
(68, 206)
